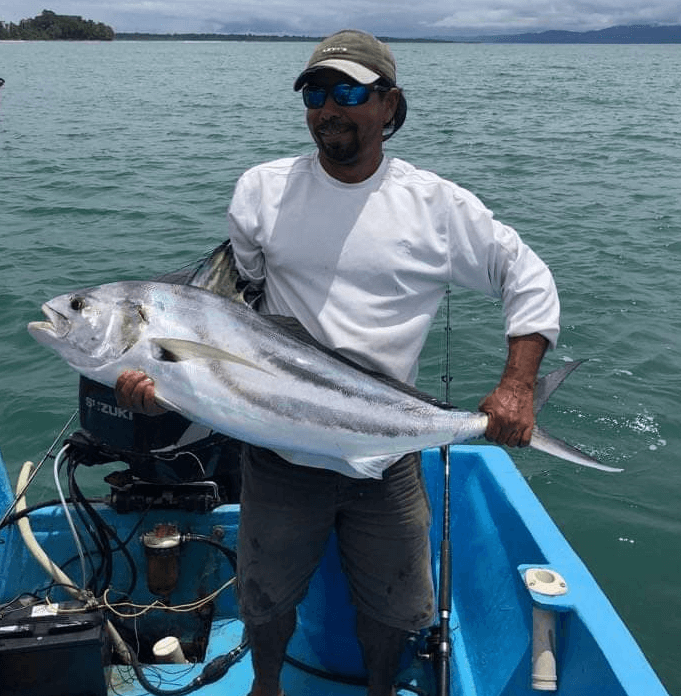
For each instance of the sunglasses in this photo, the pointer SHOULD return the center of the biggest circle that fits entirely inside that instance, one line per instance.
(343, 93)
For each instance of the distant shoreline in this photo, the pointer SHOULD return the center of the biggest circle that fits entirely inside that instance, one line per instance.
(138, 36)
(635, 34)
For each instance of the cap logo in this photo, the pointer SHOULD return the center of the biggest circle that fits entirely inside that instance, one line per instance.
(335, 49)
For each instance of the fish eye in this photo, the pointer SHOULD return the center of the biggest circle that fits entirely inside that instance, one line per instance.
(77, 304)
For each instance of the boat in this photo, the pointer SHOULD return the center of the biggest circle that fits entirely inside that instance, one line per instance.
(140, 599)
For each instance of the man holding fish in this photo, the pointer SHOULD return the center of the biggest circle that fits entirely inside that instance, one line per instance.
(360, 248)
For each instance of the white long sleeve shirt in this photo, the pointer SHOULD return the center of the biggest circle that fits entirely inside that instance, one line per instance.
(364, 266)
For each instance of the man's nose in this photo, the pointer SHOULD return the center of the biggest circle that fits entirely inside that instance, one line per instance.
(330, 108)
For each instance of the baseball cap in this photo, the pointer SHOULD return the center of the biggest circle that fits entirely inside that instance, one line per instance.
(357, 54)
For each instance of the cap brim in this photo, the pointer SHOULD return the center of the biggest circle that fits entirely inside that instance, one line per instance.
(354, 70)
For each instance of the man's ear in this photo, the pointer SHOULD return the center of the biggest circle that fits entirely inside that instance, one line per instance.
(391, 100)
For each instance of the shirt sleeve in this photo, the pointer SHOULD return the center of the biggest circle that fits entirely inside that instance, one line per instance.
(244, 228)
(492, 258)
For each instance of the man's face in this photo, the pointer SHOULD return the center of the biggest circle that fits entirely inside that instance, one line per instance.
(349, 138)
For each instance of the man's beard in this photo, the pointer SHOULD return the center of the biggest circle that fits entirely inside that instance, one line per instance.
(345, 152)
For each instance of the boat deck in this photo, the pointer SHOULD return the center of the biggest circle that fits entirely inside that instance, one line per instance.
(498, 529)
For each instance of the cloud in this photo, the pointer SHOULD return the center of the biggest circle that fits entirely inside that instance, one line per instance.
(401, 18)
(510, 16)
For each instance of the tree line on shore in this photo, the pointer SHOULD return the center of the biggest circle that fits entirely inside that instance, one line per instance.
(50, 26)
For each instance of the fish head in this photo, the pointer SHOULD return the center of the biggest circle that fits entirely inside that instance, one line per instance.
(90, 328)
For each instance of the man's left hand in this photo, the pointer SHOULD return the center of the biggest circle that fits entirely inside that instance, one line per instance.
(510, 405)
(511, 418)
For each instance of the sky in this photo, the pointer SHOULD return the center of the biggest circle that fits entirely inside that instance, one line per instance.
(397, 18)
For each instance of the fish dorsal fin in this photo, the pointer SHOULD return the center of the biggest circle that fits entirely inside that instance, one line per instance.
(219, 274)
(296, 330)
(178, 350)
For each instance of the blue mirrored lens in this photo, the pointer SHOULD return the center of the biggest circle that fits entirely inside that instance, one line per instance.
(343, 94)
(350, 95)
(314, 97)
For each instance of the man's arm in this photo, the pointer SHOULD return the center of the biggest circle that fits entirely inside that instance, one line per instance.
(509, 406)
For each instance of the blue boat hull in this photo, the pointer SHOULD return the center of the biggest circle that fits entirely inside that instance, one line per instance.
(498, 530)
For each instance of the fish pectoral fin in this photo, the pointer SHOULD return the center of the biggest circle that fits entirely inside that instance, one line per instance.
(179, 349)
(167, 405)
(544, 442)
(373, 467)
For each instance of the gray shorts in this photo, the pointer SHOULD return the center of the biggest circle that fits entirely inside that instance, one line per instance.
(287, 514)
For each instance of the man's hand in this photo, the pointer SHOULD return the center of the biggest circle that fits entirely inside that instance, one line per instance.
(135, 391)
(511, 419)
(509, 406)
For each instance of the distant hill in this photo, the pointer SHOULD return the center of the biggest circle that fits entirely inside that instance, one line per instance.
(49, 26)
(613, 35)
(139, 36)
(634, 34)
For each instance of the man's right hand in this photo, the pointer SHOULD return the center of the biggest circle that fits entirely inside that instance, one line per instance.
(135, 391)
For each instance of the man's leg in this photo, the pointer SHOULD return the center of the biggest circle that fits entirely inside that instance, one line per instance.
(382, 647)
(383, 530)
(268, 647)
(286, 518)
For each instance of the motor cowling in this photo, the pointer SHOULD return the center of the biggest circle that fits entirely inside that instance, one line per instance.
(165, 449)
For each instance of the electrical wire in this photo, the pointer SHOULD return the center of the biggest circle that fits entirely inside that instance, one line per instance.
(67, 513)
(146, 608)
(95, 527)
(212, 672)
(103, 535)
(16, 516)
(229, 553)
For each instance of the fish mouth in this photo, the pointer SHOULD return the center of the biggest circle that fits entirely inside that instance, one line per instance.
(57, 324)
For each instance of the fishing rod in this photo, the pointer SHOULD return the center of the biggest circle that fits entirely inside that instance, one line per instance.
(443, 650)
(34, 473)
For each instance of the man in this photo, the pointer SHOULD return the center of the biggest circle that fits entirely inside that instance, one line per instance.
(359, 248)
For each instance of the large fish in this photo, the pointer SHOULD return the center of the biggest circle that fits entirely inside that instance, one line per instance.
(221, 364)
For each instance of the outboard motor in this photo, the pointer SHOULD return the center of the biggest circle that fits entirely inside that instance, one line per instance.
(166, 450)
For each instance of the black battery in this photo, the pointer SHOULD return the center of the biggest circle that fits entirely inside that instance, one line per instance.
(48, 654)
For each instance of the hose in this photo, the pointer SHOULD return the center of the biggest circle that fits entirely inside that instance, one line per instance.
(32, 544)
(53, 570)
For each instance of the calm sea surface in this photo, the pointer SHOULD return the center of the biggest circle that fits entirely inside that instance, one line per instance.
(117, 160)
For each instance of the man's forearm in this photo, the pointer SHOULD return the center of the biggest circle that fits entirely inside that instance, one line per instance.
(525, 354)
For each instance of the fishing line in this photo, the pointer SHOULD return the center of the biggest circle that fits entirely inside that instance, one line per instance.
(20, 494)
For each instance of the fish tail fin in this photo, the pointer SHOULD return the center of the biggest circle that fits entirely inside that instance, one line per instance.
(549, 383)
(544, 442)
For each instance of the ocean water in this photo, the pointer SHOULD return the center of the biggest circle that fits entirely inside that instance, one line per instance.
(117, 160)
